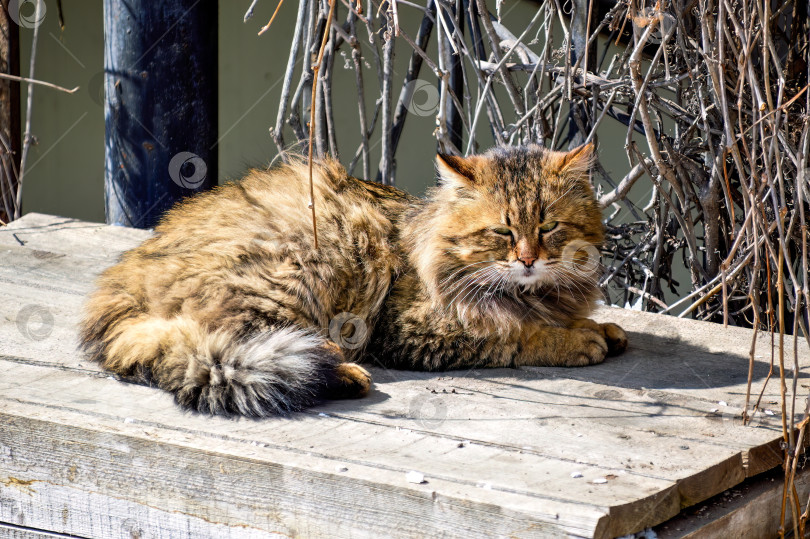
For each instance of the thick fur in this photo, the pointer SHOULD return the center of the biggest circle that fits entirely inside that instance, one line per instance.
(277, 371)
(229, 305)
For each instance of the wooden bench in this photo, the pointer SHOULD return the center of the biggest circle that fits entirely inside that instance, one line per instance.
(599, 451)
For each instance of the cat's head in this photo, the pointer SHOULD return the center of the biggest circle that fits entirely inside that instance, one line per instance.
(509, 228)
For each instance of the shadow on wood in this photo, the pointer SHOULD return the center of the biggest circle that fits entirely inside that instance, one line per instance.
(598, 451)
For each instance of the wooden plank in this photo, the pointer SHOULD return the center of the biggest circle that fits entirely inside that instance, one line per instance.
(65, 235)
(48, 265)
(649, 420)
(721, 470)
(43, 297)
(20, 532)
(692, 357)
(676, 415)
(633, 433)
(699, 469)
(475, 467)
(749, 511)
(231, 481)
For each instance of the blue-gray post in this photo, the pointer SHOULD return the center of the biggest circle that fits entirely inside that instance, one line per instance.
(160, 65)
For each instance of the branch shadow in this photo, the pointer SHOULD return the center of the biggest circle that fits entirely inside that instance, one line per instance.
(663, 362)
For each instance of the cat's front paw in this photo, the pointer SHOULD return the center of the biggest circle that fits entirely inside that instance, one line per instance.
(615, 337)
(587, 347)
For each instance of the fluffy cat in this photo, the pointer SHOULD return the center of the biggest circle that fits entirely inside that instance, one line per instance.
(229, 307)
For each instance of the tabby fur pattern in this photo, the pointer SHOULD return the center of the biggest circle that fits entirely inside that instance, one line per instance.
(231, 308)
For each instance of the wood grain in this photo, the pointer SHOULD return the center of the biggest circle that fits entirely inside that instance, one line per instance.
(749, 511)
(504, 452)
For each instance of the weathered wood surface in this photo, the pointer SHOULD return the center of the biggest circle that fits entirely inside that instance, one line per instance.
(86, 454)
(750, 511)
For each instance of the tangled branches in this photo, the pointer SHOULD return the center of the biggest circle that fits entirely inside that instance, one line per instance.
(712, 96)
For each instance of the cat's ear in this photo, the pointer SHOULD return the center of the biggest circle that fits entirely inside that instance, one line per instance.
(578, 161)
(456, 171)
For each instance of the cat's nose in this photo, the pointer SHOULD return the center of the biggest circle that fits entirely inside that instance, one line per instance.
(526, 252)
(527, 260)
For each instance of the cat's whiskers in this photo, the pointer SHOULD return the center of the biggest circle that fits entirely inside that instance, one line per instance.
(466, 279)
(561, 277)
(483, 295)
(555, 279)
(504, 282)
(459, 285)
(495, 284)
(573, 285)
(462, 269)
(472, 287)
(580, 280)
(479, 282)
(565, 269)
(459, 303)
(463, 281)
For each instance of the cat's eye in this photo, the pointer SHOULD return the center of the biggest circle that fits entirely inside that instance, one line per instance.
(502, 230)
(548, 226)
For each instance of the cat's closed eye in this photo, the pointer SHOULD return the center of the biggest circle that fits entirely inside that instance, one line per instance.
(548, 226)
(502, 230)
